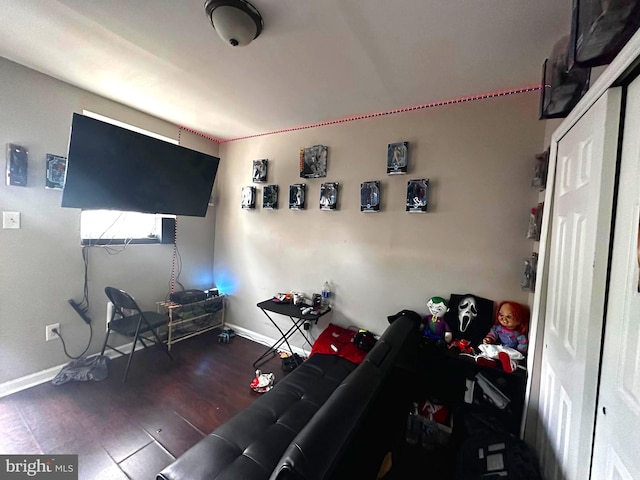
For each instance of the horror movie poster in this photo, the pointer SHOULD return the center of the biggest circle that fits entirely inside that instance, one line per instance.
(470, 317)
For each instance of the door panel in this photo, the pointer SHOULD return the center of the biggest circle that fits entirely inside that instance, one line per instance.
(617, 437)
(580, 230)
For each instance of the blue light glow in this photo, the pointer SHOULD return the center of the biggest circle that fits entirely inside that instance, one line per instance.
(225, 282)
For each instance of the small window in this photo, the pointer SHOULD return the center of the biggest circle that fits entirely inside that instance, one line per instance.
(112, 227)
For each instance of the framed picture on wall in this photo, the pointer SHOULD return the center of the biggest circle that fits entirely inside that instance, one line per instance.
(297, 196)
(313, 161)
(270, 197)
(540, 170)
(417, 195)
(56, 169)
(329, 196)
(528, 275)
(17, 164)
(370, 196)
(248, 197)
(259, 171)
(397, 158)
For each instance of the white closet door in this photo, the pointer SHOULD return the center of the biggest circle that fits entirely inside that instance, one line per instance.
(578, 257)
(617, 440)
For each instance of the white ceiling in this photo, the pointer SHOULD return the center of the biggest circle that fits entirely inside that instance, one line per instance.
(315, 61)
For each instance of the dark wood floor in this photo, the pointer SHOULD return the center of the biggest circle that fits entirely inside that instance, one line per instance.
(134, 429)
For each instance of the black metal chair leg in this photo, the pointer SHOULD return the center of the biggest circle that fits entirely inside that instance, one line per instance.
(129, 320)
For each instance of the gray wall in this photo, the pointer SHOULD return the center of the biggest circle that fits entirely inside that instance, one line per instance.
(479, 159)
(42, 263)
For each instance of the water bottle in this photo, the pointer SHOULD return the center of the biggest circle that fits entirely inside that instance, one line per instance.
(414, 426)
(429, 437)
(326, 295)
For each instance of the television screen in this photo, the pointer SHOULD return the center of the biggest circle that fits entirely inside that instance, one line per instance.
(112, 168)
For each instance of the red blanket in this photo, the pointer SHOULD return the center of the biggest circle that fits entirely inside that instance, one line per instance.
(336, 340)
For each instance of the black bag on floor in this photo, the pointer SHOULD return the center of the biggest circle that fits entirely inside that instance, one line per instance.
(291, 362)
(83, 369)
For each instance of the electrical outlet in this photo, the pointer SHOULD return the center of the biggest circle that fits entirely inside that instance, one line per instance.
(48, 331)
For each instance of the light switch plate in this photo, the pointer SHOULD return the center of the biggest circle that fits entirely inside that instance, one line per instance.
(10, 219)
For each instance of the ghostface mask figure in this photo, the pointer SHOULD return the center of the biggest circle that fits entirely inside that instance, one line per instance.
(467, 312)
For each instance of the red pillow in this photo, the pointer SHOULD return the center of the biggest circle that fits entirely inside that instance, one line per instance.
(342, 341)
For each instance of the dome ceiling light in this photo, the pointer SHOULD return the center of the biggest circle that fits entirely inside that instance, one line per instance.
(236, 21)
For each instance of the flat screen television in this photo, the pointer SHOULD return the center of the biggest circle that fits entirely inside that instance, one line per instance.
(112, 168)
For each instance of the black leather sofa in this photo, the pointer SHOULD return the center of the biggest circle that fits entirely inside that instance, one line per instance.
(328, 419)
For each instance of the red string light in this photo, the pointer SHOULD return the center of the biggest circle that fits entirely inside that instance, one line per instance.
(195, 132)
(441, 103)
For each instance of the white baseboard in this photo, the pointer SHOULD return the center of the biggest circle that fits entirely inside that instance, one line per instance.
(264, 340)
(43, 376)
(28, 381)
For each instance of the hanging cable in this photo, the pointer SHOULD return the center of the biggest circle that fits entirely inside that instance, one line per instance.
(64, 345)
(176, 265)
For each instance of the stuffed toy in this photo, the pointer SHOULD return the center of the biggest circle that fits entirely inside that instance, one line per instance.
(511, 327)
(507, 340)
(435, 327)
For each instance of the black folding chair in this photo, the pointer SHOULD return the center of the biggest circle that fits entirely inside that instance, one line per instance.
(135, 324)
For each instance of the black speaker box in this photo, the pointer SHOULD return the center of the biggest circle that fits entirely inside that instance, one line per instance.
(188, 296)
(168, 230)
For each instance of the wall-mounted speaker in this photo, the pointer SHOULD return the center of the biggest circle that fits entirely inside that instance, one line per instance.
(168, 230)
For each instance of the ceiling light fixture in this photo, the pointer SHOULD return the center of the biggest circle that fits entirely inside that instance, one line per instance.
(236, 21)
